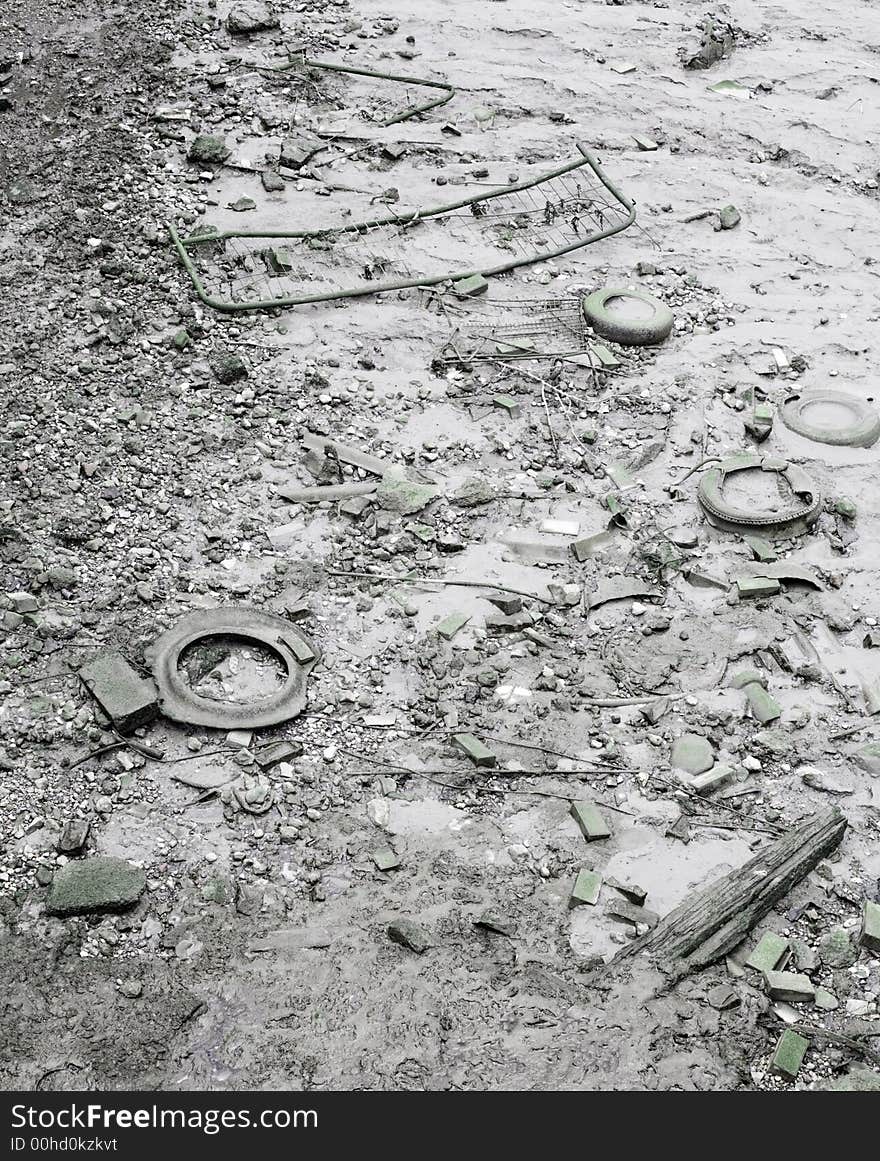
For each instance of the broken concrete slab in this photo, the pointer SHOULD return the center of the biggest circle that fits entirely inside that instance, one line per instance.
(93, 885)
(397, 494)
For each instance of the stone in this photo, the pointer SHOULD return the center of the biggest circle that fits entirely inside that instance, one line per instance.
(228, 367)
(473, 491)
(449, 626)
(729, 217)
(128, 699)
(494, 921)
(826, 1000)
(207, 150)
(409, 934)
(271, 181)
(837, 950)
(693, 754)
(249, 17)
(722, 997)
(478, 753)
(632, 891)
(23, 602)
(793, 987)
(248, 898)
(869, 935)
(102, 883)
(788, 1055)
(586, 888)
(73, 836)
(867, 757)
(397, 494)
(591, 823)
(385, 859)
(770, 952)
(856, 1080)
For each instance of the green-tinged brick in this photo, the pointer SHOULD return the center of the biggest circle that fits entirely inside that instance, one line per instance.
(470, 287)
(762, 549)
(508, 404)
(770, 952)
(591, 823)
(788, 1055)
(757, 586)
(479, 754)
(586, 889)
(385, 859)
(450, 625)
(869, 936)
(127, 699)
(793, 987)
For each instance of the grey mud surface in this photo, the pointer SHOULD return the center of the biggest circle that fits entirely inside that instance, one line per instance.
(136, 487)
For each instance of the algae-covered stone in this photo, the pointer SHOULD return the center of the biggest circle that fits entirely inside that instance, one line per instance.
(693, 754)
(207, 150)
(857, 1080)
(98, 884)
(397, 494)
(409, 934)
(837, 950)
(868, 757)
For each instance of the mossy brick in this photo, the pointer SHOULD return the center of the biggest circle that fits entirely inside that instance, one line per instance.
(128, 699)
(507, 403)
(471, 286)
(764, 707)
(762, 549)
(788, 1055)
(586, 889)
(478, 753)
(450, 625)
(592, 825)
(869, 936)
(770, 952)
(86, 886)
(793, 987)
(632, 891)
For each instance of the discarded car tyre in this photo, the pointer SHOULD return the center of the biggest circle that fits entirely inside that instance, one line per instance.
(794, 516)
(180, 703)
(629, 332)
(831, 417)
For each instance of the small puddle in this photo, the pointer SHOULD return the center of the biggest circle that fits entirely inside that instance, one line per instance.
(232, 669)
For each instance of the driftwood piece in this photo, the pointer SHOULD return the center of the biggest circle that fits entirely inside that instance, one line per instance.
(711, 924)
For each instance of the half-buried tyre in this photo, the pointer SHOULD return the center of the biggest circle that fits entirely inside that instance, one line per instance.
(831, 417)
(632, 318)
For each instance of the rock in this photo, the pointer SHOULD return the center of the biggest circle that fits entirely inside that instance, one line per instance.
(473, 491)
(868, 758)
(494, 921)
(248, 898)
(397, 494)
(207, 150)
(728, 217)
(693, 754)
(837, 950)
(228, 367)
(272, 183)
(73, 836)
(131, 989)
(722, 997)
(96, 884)
(249, 17)
(409, 934)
